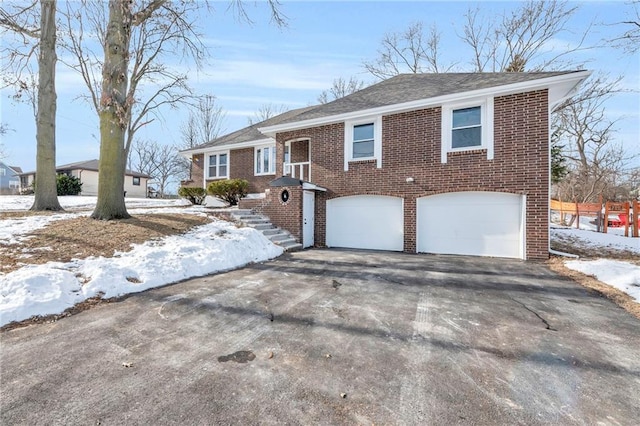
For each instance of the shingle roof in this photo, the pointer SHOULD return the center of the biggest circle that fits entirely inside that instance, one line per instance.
(412, 87)
(91, 165)
(251, 133)
(16, 169)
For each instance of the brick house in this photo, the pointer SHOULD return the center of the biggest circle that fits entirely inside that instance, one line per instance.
(435, 163)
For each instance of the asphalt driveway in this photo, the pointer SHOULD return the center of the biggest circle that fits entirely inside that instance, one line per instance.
(335, 337)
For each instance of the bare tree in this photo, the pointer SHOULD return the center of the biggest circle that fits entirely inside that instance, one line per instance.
(514, 42)
(517, 41)
(340, 89)
(595, 163)
(629, 40)
(161, 162)
(136, 37)
(265, 112)
(205, 123)
(411, 51)
(135, 85)
(36, 27)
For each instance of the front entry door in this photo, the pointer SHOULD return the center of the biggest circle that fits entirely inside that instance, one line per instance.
(308, 213)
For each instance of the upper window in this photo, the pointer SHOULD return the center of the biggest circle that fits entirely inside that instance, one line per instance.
(265, 160)
(3, 171)
(136, 181)
(467, 127)
(218, 166)
(363, 141)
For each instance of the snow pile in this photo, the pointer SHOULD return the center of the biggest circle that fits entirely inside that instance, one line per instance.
(621, 275)
(53, 287)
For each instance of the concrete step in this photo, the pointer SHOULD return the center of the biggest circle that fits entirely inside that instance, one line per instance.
(286, 241)
(262, 223)
(291, 246)
(282, 236)
(255, 221)
(261, 226)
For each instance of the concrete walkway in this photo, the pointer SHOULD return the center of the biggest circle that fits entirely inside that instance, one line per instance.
(335, 337)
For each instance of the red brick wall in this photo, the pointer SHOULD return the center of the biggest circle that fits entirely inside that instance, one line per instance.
(197, 162)
(411, 148)
(242, 167)
(285, 215)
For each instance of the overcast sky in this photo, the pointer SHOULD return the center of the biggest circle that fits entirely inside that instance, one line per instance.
(256, 64)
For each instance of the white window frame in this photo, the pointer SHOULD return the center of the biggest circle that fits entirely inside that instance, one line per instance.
(272, 160)
(208, 168)
(377, 141)
(486, 122)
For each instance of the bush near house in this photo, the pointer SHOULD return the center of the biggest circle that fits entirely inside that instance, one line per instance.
(231, 190)
(195, 195)
(68, 185)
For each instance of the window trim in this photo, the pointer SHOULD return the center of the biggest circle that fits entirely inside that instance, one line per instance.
(377, 141)
(134, 181)
(272, 162)
(486, 123)
(207, 166)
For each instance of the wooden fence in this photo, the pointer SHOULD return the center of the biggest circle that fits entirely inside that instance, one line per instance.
(628, 214)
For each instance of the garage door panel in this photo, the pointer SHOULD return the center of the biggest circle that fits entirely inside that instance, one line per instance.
(471, 223)
(366, 221)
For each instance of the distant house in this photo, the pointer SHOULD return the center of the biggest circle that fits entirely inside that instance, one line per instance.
(9, 179)
(135, 183)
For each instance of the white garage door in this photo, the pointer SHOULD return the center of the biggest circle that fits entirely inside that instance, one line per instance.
(471, 223)
(366, 221)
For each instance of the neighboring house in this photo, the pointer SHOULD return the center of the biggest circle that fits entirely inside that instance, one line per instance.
(433, 163)
(135, 183)
(9, 179)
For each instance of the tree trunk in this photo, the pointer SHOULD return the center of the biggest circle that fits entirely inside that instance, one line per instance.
(114, 107)
(46, 194)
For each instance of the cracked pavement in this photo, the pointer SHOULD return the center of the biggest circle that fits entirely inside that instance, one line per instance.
(335, 337)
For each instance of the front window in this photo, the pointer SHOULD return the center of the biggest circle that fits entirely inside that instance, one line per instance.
(136, 181)
(466, 129)
(218, 166)
(363, 141)
(265, 160)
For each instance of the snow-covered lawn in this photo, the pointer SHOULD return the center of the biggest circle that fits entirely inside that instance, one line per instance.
(622, 275)
(52, 287)
(24, 202)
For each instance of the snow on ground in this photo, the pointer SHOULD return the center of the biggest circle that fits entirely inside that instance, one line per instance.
(77, 202)
(53, 287)
(624, 276)
(613, 239)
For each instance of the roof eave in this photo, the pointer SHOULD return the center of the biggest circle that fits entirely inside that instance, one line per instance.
(563, 84)
(227, 147)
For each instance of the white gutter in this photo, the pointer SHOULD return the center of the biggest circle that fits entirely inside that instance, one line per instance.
(573, 78)
(248, 144)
